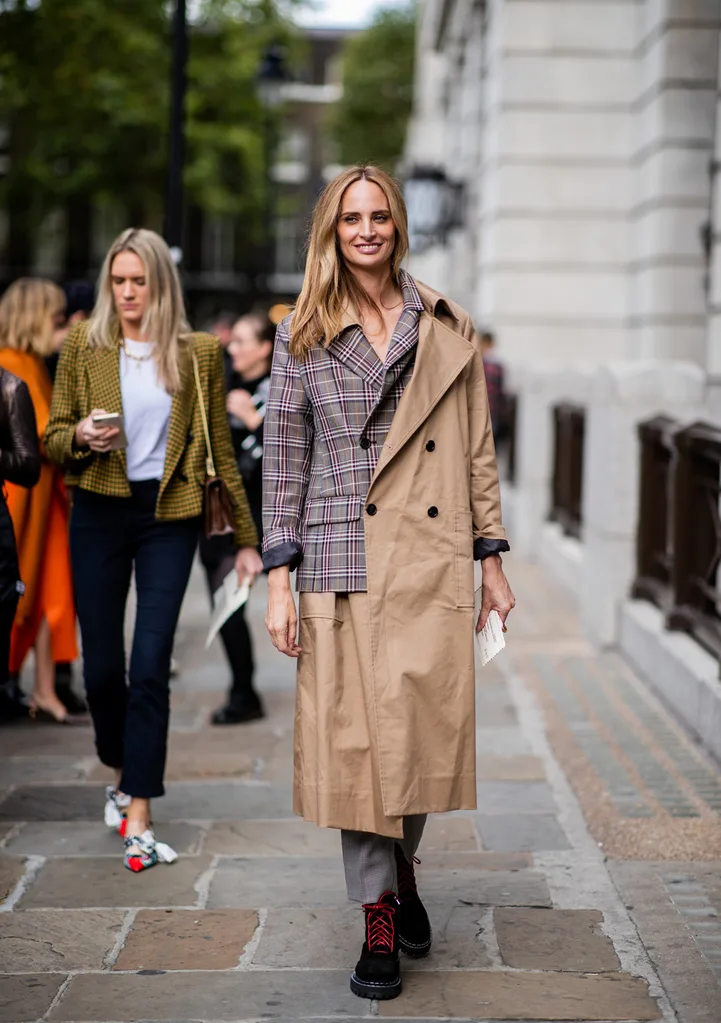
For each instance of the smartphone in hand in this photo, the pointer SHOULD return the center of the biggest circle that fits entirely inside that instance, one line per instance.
(113, 420)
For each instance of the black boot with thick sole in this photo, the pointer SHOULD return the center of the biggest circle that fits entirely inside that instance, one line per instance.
(412, 923)
(378, 973)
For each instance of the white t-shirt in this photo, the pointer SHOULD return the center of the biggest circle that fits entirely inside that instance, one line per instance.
(146, 408)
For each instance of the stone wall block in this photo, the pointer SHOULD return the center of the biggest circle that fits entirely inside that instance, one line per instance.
(568, 134)
(597, 294)
(669, 232)
(654, 13)
(597, 81)
(599, 28)
(546, 240)
(671, 291)
(584, 189)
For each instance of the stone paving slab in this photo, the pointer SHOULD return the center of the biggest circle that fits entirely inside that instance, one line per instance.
(485, 888)
(568, 940)
(41, 769)
(223, 801)
(28, 997)
(48, 941)
(11, 870)
(500, 768)
(82, 838)
(472, 861)
(510, 832)
(313, 881)
(5, 830)
(271, 838)
(77, 882)
(523, 996)
(514, 797)
(54, 803)
(211, 995)
(301, 938)
(25, 738)
(187, 939)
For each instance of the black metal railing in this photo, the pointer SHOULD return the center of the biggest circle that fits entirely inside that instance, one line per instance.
(567, 484)
(654, 540)
(697, 535)
(679, 527)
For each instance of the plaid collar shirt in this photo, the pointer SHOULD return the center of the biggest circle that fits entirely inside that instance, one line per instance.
(327, 419)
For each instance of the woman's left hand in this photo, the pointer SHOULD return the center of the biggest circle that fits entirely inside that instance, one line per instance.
(496, 594)
(248, 564)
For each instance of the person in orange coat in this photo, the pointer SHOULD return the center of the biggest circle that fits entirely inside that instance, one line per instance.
(31, 313)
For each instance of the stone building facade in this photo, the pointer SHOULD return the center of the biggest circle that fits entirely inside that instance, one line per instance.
(586, 137)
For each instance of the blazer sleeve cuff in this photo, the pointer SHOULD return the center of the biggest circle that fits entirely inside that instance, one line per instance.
(483, 548)
(290, 554)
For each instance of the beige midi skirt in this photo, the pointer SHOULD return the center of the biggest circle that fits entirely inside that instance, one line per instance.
(336, 770)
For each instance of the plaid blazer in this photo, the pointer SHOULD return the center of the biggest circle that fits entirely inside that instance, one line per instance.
(89, 378)
(327, 419)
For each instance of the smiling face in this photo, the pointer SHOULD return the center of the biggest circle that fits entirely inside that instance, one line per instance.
(131, 293)
(366, 232)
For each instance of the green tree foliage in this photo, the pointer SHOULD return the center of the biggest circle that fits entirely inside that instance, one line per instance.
(84, 95)
(369, 122)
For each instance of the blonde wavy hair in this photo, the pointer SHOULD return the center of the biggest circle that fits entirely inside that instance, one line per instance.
(26, 315)
(165, 321)
(329, 286)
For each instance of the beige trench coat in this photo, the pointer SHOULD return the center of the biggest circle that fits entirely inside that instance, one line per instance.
(420, 586)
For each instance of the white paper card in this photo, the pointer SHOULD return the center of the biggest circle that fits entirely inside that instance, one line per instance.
(226, 601)
(490, 640)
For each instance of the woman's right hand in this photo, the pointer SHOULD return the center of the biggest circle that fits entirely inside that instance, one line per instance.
(281, 618)
(97, 438)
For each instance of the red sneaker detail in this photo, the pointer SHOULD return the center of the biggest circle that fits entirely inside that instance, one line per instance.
(123, 827)
(136, 863)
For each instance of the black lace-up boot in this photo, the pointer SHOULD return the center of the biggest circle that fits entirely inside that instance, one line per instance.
(377, 973)
(412, 923)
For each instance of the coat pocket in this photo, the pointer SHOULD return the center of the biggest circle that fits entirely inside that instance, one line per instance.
(322, 510)
(464, 559)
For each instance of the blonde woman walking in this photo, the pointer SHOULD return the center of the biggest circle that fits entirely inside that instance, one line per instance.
(380, 488)
(31, 312)
(137, 508)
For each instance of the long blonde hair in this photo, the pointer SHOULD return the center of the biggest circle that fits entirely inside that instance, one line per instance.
(26, 315)
(165, 321)
(329, 286)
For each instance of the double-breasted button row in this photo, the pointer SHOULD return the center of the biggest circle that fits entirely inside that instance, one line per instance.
(432, 512)
(365, 443)
(431, 445)
(371, 509)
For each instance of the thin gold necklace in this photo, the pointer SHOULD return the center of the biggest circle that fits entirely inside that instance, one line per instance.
(136, 358)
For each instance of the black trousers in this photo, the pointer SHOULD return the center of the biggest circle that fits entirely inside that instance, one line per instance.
(109, 538)
(217, 554)
(9, 576)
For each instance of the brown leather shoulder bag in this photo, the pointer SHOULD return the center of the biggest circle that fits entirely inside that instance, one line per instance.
(218, 516)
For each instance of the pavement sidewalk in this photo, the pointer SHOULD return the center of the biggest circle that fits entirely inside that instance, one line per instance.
(587, 885)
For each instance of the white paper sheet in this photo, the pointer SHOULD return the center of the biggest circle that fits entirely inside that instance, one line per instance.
(490, 640)
(226, 601)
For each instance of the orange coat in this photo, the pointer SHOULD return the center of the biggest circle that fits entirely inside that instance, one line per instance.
(40, 521)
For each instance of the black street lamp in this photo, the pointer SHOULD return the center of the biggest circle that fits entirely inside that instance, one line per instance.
(176, 153)
(271, 78)
(435, 206)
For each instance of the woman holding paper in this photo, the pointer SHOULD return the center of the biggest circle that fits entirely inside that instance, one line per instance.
(31, 312)
(380, 488)
(139, 486)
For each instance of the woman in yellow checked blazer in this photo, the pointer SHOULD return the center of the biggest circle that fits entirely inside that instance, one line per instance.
(137, 507)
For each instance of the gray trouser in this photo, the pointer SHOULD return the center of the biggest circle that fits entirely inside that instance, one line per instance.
(370, 862)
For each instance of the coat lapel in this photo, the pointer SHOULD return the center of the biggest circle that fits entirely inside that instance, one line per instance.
(352, 348)
(442, 355)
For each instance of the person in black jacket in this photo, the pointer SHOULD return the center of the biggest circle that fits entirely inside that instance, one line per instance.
(251, 352)
(20, 464)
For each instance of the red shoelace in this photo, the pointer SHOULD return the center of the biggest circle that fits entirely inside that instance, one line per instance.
(380, 927)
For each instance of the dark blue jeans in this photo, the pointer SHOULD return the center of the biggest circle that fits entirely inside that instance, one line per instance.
(109, 538)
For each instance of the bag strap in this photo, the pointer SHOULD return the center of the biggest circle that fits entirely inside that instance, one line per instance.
(209, 463)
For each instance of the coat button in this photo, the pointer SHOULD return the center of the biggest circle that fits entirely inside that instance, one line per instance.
(431, 445)
(432, 512)
(371, 509)
(365, 443)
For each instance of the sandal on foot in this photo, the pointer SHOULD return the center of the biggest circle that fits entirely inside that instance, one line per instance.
(143, 852)
(116, 803)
